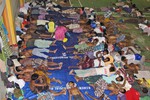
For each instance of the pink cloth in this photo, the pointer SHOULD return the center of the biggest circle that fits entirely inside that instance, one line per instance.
(60, 33)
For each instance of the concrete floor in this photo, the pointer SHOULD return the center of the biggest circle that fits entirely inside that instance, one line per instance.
(2, 90)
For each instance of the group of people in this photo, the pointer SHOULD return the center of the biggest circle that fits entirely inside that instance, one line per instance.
(106, 58)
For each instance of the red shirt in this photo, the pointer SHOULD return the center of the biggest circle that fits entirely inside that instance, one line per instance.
(132, 94)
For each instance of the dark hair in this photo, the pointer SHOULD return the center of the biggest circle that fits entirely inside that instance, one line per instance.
(112, 69)
(124, 91)
(19, 44)
(120, 52)
(101, 23)
(17, 69)
(17, 86)
(123, 58)
(71, 82)
(13, 57)
(145, 90)
(106, 51)
(107, 58)
(8, 99)
(121, 78)
(17, 76)
(34, 76)
(19, 59)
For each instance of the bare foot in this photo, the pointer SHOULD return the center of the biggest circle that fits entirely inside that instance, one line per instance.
(49, 58)
(76, 57)
(55, 50)
(71, 72)
(78, 78)
(64, 47)
(60, 65)
(54, 41)
(48, 73)
(64, 91)
(58, 81)
(86, 93)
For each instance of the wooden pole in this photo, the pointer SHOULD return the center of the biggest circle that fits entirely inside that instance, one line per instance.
(11, 22)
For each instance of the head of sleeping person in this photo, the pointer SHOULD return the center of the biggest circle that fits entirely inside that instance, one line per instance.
(95, 41)
(34, 76)
(106, 59)
(122, 90)
(71, 84)
(144, 90)
(119, 78)
(105, 52)
(112, 69)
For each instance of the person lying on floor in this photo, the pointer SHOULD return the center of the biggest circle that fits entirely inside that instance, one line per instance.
(91, 62)
(37, 52)
(128, 72)
(37, 62)
(83, 46)
(26, 72)
(100, 86)
(74, 92)
(133, 58)
(107, 70)
(40, 43)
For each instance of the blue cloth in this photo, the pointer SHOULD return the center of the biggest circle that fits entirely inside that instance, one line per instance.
(138, 57)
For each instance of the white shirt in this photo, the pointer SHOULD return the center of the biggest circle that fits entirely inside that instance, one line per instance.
(127, 85)
(100, 39)
(16, 63)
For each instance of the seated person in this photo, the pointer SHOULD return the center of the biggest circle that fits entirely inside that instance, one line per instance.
(41, 82)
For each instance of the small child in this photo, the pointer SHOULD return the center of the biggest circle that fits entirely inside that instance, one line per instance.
(74, 91)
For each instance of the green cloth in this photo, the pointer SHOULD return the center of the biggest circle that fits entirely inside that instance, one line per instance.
(81, 46)
(145, 98)
(92, 79)
(42, 43)
(30, 43)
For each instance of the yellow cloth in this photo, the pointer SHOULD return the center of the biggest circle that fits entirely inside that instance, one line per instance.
(41, 73)
(110, 61)
(106, 20)
(65, 40)
(51, 26)
(147, 85)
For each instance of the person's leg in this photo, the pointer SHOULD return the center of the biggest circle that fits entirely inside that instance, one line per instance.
(93, 98)
(134, 50)
(38, 52)
(53, 51)
(53, 43)
(78, 78)
(56, 68)
(58, 93)
(70, 47)
(71, 67)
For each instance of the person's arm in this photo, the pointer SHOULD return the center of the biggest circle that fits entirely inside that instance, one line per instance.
(70, 95)
(42, 84)
(118, 98)
(55, 80)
